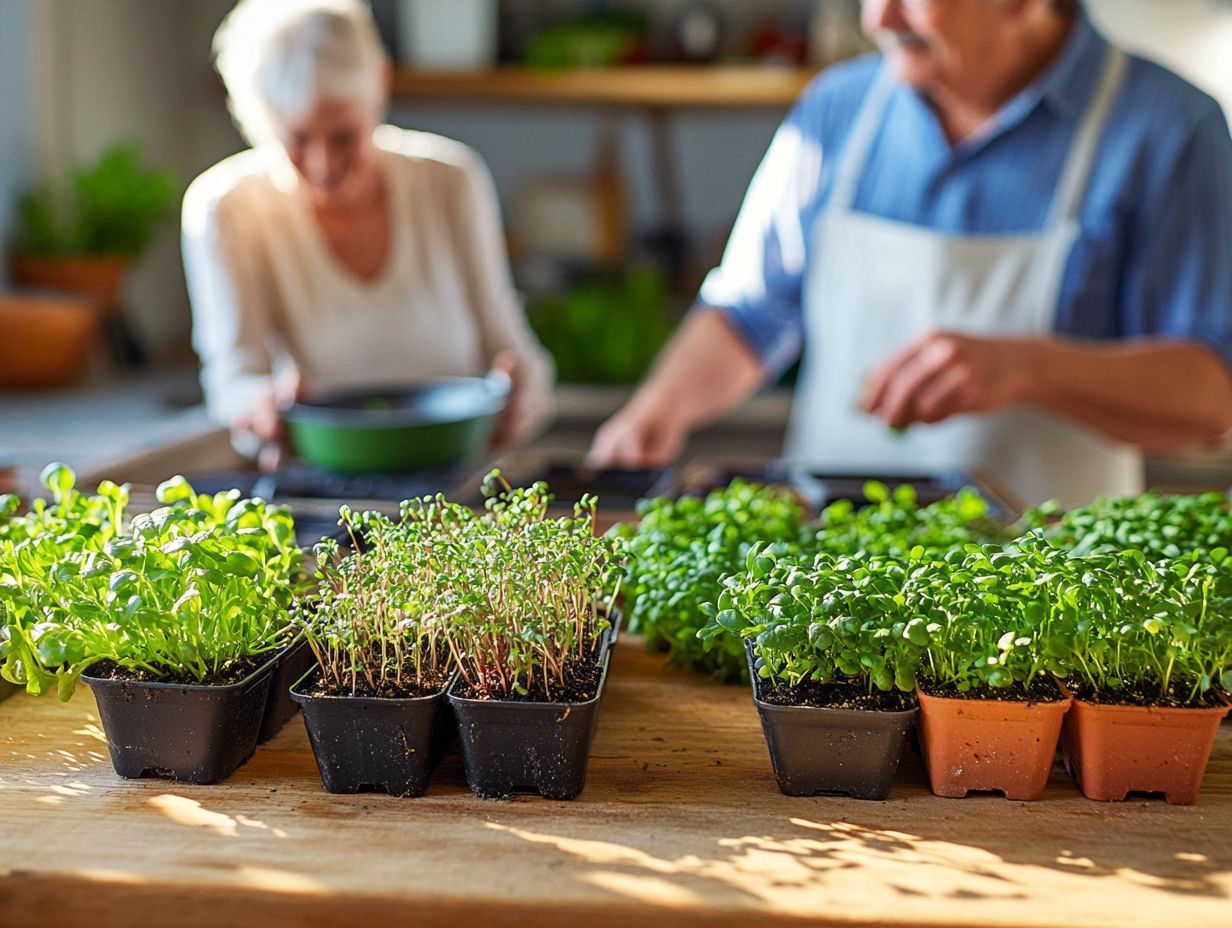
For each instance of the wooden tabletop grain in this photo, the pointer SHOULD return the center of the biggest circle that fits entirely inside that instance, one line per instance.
(680, 824)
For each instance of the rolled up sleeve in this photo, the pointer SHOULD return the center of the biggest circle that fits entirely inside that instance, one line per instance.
(1179, 273)
(231, 318)
(758, 286)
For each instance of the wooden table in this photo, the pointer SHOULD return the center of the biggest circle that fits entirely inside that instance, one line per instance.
(680, 824)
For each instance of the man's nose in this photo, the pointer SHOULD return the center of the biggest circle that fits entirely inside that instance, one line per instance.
(884, 14)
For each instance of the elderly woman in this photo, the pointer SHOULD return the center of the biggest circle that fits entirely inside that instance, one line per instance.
(338, 252)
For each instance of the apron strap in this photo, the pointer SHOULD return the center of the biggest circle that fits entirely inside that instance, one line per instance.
(1067, 201)
(855, 152)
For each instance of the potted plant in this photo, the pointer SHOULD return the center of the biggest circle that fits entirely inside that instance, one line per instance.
(526, 599)
(82, 233)
(894, 523)
(1162, 526)
(680, 550)
(1146, 671)
(374, 702)
(832, 650)
(175, 621)
(29, 543)
(995, 634)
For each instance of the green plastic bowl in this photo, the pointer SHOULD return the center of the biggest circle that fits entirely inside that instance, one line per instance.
(433, 424)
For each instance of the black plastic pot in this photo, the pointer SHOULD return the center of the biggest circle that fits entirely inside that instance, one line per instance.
(198, 734)
(8, 689)
(527, 747)
(292, 662)
(371, 743)
(853, 752)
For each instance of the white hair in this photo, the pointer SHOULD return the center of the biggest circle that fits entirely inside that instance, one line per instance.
(279, 58)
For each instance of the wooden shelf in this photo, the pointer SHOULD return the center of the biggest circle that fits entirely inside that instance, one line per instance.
(731, 86)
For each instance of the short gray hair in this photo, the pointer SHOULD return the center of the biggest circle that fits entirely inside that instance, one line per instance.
(279, 58)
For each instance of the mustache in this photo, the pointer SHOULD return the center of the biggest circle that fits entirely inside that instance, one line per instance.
(890, 39)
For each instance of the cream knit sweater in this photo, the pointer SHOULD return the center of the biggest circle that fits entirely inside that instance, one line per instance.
(268, 294)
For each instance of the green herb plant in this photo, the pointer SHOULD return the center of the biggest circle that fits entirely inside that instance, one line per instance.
(187, 592)
(1000, 621)
(1160, 632)
(826, 620)
(374, 625)
(1161, 526)
(517, 601)
(680, 551)
(894, 523)
(109, 207)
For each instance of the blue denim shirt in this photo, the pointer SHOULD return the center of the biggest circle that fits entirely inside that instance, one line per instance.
(1154, 256)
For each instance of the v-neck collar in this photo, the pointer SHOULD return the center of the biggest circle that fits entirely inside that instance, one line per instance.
(321, 245)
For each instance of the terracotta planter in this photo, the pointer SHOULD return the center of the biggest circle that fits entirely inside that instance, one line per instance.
(45, 340)
(1116, 750)
(989, 744)
(100, 277)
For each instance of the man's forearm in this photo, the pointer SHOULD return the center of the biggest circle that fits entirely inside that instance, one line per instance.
(705, 370)
(1156, 393)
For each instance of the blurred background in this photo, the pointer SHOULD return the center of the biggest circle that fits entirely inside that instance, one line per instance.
(619, 178)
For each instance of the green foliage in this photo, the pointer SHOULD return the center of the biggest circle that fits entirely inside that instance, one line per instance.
(374, 626)
(509, 597)
(1160, 628)
(182, 592)
(680, 551)
(894, 523)
(999, 618)
(588, 39)
(1159, 525)
(829, 620)
(108, 207)
(606, 331)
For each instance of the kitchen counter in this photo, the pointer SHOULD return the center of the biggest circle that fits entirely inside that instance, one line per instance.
(680, 824)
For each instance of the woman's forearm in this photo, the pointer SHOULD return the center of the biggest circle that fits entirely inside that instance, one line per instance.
(1157, 393)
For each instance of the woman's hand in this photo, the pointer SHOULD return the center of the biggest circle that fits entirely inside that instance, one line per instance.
(263, 421)
(511, 425)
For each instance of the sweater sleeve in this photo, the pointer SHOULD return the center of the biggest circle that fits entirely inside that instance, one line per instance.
(232, 319)
(494, 300)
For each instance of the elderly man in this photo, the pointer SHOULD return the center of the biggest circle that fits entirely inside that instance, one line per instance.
(1002, 244)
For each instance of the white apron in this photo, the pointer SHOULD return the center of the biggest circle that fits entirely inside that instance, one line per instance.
(874, 284)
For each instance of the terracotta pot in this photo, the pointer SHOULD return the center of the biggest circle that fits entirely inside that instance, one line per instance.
(989, 744)
(100, 276)
(1113, 751)
(45, 340)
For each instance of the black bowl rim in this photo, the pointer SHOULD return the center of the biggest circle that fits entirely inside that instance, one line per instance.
(490, 395)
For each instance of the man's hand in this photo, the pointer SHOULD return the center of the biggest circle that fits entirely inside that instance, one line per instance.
(636, 438)
(943, 374)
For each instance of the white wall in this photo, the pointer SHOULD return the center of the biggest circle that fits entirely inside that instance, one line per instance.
(1192, 37)
(16, 112)
(112, 69)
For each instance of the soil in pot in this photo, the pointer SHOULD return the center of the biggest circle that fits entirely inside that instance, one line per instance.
(382, 743)
(833, 740)
(185, 731)
(982, 744)
(1114, 750)
(295, 660)
(523, 745)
